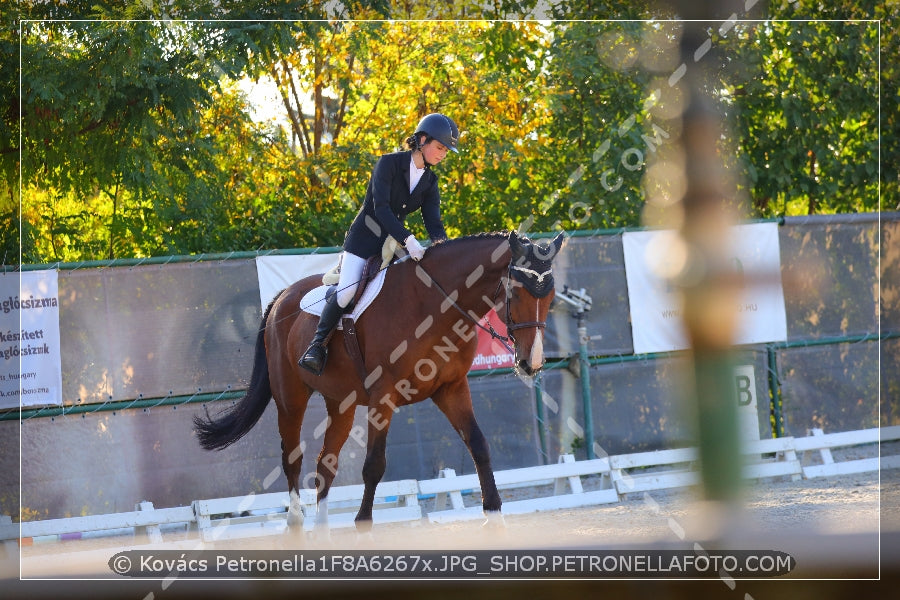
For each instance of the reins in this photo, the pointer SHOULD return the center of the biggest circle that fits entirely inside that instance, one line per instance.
(510, 325)
(489, 329)
(357, 282)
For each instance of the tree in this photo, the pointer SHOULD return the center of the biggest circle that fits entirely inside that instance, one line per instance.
(595, 142)
(888, 28)
(800, 101)
(368, 84)
(137, 142)
(109, 113)
(806, 110)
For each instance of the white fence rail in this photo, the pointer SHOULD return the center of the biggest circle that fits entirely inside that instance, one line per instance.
(566, 473)
(399, 501)
(260, 514)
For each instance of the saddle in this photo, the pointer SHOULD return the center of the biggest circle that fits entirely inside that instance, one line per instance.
(371, 269)
(348, 323)
(388, 252)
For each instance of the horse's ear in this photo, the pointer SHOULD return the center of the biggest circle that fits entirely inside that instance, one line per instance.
(548, 251)
(515, 244)
(558, 241)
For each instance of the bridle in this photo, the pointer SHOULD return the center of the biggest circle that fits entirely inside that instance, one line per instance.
(506, 284)
(510, 324)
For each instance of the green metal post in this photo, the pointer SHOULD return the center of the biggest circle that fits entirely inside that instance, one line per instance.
(774, 390)
(539, 407)
(585, 365)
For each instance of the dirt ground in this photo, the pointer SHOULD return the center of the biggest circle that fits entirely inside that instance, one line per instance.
(843, 532)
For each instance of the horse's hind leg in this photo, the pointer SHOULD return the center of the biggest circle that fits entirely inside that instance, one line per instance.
(290, 421)
(455, 401)
(340, 422)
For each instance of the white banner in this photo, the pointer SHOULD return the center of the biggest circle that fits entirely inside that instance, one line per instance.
(656, 323)
(277, 272)
(31, 372)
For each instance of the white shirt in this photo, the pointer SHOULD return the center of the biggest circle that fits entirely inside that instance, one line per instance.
(415, 174)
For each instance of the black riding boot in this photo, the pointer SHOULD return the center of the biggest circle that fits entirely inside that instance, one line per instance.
(314, 358)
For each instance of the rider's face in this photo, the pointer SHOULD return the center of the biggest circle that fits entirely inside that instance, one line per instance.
(434, 152)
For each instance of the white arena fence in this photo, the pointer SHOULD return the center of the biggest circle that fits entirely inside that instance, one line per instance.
(255, 515)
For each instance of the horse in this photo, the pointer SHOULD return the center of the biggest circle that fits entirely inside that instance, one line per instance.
(418, 339)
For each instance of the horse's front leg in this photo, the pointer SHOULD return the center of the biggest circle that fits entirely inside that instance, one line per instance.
(455, 401)
(379, 416)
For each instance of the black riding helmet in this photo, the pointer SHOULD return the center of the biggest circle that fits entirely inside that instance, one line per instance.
(440, 127)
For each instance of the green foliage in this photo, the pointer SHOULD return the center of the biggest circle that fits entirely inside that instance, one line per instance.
(807, 115)
(136, 139)
(838, 51)
(595, 136)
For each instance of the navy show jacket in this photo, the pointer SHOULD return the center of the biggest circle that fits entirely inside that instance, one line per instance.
(387, 203)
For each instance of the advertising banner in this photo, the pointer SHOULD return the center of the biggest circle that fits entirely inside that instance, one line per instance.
(31, 373)
(277, 272)
(656, 322)
(492, 354)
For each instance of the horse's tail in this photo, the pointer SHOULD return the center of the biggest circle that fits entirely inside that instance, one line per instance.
(229, 427)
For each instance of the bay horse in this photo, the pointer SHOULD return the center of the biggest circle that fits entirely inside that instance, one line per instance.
(418, 339)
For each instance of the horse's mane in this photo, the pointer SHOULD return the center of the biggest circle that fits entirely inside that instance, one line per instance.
(493, 235)
(498, 236)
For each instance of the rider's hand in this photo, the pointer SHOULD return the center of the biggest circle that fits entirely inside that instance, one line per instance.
(414, 248)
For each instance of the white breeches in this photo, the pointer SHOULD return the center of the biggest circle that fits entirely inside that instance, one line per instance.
(351, 272)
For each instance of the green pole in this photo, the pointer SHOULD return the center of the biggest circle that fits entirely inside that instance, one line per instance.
(774, 390)
(704, 214)
(539, 407)
(585, 364)
(118, 405)
(714, 397)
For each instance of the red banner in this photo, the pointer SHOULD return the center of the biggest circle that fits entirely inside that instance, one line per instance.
(492, 354)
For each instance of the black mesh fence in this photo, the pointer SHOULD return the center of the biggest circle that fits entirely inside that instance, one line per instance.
(177, 330)
(832, 387)
(830, 276)
(157, 331)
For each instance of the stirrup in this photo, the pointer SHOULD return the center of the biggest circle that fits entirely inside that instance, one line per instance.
(313, 360)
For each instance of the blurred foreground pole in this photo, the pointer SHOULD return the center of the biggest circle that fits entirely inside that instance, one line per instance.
(709, 289)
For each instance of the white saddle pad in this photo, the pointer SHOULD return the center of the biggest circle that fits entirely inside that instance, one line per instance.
(314, 300)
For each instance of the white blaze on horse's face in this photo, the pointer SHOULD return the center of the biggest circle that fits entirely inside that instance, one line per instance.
(530, 314)
(536, 359)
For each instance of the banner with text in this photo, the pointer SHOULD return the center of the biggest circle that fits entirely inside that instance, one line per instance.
(277, 272)
(31, 374)
(492, 354)
(656, 322)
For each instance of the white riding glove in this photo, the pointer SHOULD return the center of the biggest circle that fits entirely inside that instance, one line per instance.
(414, 248)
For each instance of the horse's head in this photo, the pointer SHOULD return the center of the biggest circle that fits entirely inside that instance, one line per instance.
(529, 294)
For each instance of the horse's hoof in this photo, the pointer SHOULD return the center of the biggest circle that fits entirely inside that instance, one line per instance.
(294, 522)
(365, 537)
(320, 534)
(494, 520)
(363, 525)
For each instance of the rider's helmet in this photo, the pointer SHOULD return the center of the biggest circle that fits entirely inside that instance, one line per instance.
(439, 127)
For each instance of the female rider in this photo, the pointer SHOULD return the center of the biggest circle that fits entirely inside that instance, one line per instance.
(401, 183)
